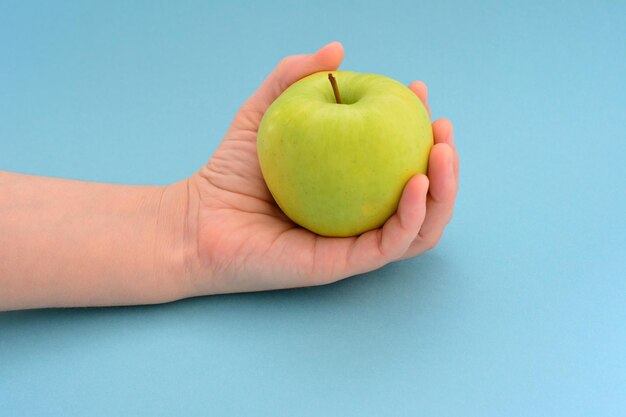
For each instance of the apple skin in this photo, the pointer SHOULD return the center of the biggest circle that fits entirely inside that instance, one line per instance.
(340, 169)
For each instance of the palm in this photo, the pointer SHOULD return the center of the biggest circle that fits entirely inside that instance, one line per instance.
(248, 244)
(241, 229)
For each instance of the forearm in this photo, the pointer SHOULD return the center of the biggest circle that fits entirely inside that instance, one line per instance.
(74, 243)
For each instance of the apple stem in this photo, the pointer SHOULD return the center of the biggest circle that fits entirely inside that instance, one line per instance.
(333, 82)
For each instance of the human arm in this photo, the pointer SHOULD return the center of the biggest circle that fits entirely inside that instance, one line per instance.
(77, 243)
(67, 243)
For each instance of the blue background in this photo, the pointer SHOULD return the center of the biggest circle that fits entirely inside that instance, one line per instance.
(521, 310)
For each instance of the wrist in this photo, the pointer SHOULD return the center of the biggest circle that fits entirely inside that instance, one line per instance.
(175, 243)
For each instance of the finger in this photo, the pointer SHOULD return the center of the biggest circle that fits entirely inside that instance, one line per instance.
(378, 247)
(443, 132)
(401, 229)
(421, 90)
(439, 202)
(290, 70)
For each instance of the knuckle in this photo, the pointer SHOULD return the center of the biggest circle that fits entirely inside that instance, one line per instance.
(286, 61)
(391, 252)
(430, 242)
(398, 253)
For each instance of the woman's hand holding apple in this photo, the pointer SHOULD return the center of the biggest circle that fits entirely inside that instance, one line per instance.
(243, 242)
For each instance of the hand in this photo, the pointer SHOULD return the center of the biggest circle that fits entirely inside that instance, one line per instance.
(243, 242)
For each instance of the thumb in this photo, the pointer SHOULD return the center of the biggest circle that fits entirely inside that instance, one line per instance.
(290, 70)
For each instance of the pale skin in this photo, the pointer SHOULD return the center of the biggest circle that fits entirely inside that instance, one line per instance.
(70, 243)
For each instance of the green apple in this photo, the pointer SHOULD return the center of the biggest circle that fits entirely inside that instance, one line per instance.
(337, 148)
